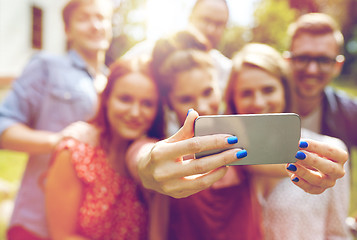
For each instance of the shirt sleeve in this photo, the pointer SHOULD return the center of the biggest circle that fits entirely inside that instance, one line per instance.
(24, 99)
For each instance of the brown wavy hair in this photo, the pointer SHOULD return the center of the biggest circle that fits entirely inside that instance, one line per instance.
(118, 69)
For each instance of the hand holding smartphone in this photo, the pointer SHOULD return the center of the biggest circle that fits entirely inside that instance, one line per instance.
(268, 138)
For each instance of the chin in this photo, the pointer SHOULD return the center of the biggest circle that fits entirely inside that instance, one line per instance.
(132, 135)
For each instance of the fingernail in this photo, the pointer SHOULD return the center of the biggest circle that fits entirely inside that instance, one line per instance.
(291, 167)
(241, 154)
(303, 144)
(295, 179)
(232, 140)
(189, 110)
(300, 155)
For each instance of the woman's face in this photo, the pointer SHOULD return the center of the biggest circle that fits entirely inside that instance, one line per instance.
(256, 91)
(195, 89)
(132, 105)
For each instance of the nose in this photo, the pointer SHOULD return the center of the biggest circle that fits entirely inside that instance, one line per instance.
(312, 67)
(135, 110)
(259, 102)
(203, 106)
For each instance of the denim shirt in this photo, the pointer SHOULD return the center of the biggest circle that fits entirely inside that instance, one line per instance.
(52, 92)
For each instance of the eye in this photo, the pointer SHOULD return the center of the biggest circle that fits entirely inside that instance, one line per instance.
(324, 60)
(207, 92)
(82, 17)
(302, 59)
(246, 93)
(268, 90)
(125, 98)
(148, 103)
(184, 99)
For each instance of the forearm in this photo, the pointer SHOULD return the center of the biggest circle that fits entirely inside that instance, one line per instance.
(21, 138)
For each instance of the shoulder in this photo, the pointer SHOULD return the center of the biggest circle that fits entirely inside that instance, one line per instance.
(218, 56)
(340, 97)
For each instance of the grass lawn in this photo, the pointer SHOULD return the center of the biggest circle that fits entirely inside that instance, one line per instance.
(12, 165)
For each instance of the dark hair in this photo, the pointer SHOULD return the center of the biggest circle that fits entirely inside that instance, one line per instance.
(264, 57)
(178, 62)
(119, 69)
(172, 54)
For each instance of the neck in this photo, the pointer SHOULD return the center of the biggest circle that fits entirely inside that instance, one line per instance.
(308, 105)
(94, 60)
(116, 155)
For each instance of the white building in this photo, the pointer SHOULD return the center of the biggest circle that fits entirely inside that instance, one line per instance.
(19, 19)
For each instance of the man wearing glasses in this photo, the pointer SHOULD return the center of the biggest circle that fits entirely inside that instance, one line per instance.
(315, 60)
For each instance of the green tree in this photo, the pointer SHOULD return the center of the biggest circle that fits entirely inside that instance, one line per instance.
(234, 39)
(272, 18)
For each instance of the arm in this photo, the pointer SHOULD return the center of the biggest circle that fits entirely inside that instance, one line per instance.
(19, 109)
(63, 195)
(20, 137)
(161, 166)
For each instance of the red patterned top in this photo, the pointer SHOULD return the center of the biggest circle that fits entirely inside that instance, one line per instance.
(111, 207)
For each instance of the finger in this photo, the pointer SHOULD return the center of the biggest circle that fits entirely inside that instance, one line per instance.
(187, 130)
(306, 186)
(190, 146)
(312, 177)
(193, 167)
(209, 163)
(325, 150)
(325, 166)
(188, 186)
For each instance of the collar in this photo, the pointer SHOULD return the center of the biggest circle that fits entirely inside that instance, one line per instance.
(78, 62)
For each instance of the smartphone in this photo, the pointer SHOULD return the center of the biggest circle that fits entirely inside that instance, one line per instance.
(268, 138)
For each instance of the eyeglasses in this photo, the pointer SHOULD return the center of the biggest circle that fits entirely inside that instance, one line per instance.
(324, 63)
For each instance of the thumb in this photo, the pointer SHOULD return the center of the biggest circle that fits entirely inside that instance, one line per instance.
(187, 130)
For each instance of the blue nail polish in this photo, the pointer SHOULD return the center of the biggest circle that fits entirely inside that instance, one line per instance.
(291, 167)
(189, 110)
(300, 155)
(303, 144)
(232, 140)
(295, 179)
(241, 154)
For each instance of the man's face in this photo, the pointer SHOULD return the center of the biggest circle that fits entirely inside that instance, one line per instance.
(313, 63)
(210, 18)
(90, 28)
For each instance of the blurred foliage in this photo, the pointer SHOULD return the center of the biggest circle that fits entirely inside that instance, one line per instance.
(125, 22)
(234, 39)
(272, 18)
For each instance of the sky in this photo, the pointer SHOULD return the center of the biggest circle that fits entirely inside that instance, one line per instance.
(165, 16)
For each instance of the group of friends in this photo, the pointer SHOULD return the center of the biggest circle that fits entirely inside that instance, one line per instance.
(111, 150)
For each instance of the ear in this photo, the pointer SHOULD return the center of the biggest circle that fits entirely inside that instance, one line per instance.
(340, 60)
